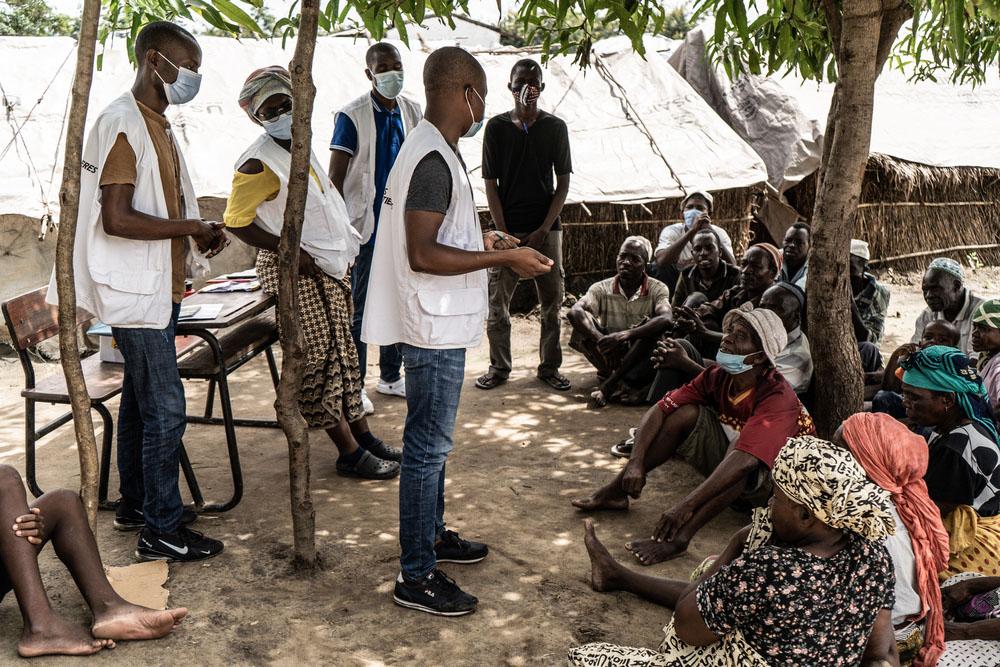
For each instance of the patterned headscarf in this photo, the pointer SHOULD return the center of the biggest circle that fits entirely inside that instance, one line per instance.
(945, 369)
(948, 265)
(988, 314)
(828, 481)
(262, 84)
(776, 257)
(895, 458)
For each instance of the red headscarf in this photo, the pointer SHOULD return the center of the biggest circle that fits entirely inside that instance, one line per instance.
(895, 458)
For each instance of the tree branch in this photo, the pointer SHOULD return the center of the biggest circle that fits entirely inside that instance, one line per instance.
(897, 12)
(834, 24)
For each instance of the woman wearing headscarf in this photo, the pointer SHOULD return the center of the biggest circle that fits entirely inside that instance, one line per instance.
(986, 343)
(942, 391)
(895, 458)
(330, 397)
(817, 591)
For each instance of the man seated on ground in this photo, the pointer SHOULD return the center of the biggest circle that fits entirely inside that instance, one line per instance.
(709, 274)
(948, 299)
(58, 517)
(795, 255)
(618, 321)
(817, 590)
(759, 268)
(870, 301)
(888, 398)
(674, 252)
(729, 423)
(678, 363)
(986, 343)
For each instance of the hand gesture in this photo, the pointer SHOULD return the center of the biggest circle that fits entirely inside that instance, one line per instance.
(671, 522)
(611, 342)
(668, 354)
(208, 236)
(633, 479)
(536, 239)
(495, 240)
(31, 526)
(689, 319)
(702, 222)
(906, 350)
(529, 263)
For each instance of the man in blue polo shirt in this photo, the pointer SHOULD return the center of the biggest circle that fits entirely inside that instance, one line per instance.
(367, 137)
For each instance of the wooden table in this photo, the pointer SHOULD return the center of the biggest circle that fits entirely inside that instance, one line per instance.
(222, 337)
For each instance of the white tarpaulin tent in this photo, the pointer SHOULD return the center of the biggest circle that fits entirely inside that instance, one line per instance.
(638, 131)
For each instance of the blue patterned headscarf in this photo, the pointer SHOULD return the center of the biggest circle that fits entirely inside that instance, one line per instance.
(945, 369)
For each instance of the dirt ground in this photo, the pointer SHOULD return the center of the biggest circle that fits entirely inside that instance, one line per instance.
(521, 452)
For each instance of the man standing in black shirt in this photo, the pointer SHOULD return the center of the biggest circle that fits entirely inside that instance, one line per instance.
(522, 150)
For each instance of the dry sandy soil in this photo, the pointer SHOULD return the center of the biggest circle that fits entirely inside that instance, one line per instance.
(521, 452)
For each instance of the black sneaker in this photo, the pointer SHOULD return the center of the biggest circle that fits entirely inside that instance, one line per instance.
(128, 518)
(183, 546)
(453, 549)
(385, 452)
(436, 594)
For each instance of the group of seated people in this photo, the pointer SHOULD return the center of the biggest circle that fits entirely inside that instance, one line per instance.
(918, 471)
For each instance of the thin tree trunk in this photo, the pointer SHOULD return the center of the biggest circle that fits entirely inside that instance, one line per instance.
(292, 341)
(69, 201)
(863, 27)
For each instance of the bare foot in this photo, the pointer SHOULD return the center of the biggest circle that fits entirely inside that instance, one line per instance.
(597, 400)
(651, 552)
(603, 567)
(130, 622)
(603, 499)
(59, 637)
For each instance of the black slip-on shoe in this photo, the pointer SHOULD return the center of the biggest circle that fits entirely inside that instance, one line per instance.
(453, 549)
(436, 594)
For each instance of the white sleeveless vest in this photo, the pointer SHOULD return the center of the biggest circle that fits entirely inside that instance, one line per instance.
(124, 282)
(421, 309)
(326, 234)
(359, 182)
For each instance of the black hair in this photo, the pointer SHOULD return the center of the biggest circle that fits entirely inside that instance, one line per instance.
(804, 227)
(450, 68)
(159, 34)
(379, 49)
(526, 63)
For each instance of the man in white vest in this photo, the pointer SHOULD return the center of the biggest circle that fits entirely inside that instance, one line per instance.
(366, 140)
(428, 294)
(138, 218)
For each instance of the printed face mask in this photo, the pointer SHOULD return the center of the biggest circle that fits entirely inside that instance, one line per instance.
(389, 84)
(476, 124)
(185, 88)
(527, 95)
(734, 364)
(280, 127)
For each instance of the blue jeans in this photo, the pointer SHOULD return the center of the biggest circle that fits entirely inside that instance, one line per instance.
(151, 420)
(389, 359)
(434, 384)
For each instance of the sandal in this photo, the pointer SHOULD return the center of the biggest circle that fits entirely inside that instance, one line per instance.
(556, 381)
(623, 449)
(490, 381)
(597, 400)
(369, 467)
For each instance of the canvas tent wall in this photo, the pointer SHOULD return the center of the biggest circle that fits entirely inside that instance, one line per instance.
(640, 134)
(933, 179)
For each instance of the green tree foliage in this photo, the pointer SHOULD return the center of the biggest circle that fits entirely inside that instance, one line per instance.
(513, 33)
(34, 18)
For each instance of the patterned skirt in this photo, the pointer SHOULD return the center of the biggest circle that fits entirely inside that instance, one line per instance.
(331, 386)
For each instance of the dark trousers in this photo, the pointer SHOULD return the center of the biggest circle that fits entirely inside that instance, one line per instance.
(389, 358)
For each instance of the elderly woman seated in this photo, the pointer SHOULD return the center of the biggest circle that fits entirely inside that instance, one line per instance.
(813, 586)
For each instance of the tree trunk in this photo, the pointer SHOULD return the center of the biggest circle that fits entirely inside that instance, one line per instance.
(292, 341)
(864, 27)
(69, 201)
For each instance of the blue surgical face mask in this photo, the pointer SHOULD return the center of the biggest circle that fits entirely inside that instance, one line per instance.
(280, 127)
(734, 364)
(389, 84)
(185, 88)
(690, 215)
(476, 124)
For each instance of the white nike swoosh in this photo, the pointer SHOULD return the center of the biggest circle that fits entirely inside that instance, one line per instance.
(182, 552)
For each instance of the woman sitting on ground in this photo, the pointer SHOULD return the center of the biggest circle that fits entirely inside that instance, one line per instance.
(817, 592)
(942, 391)
(331, 389)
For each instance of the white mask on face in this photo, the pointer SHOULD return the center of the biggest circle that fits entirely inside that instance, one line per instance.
(389, 84)
(280, 127)
(185, 88)
(476, 124)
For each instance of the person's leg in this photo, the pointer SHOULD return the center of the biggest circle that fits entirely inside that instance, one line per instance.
(607, 575)
(502, 282)
(589, 350)
(637, 355)
(67, 528)
(427, 439)
(359, 294)
(668, 379)
(658, 436)
(871, 358)
(150, 356)
(551, 291)
(44, 632)
(130, 484)
(390, 363)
